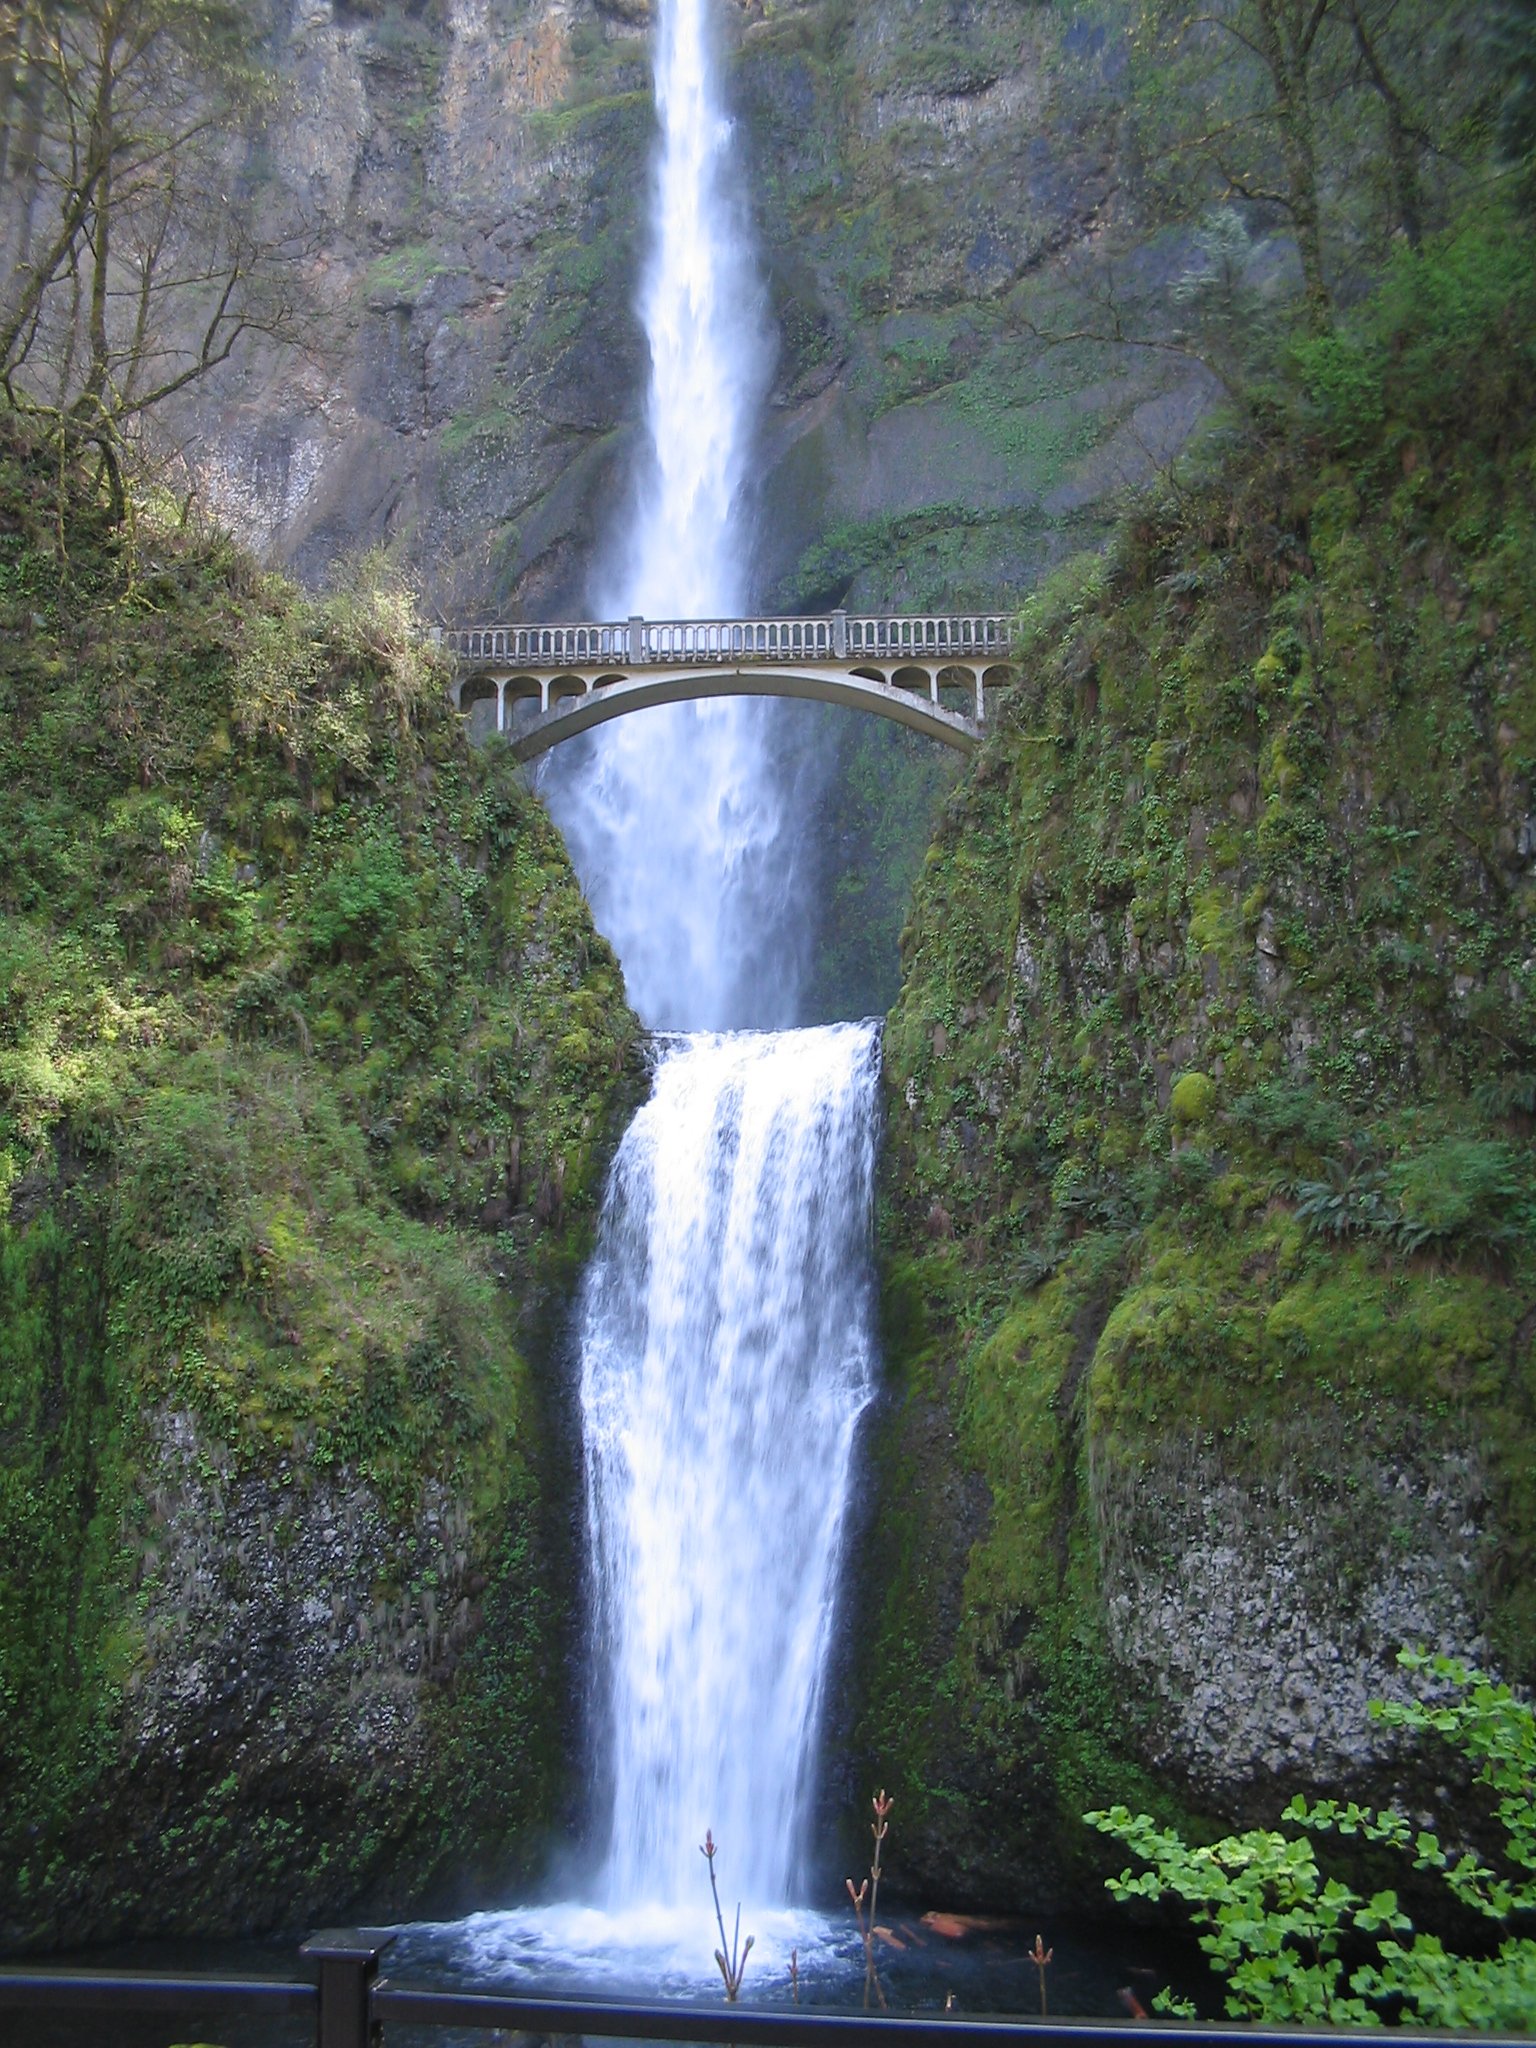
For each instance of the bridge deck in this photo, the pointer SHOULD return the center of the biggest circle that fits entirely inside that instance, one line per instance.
(553, 681)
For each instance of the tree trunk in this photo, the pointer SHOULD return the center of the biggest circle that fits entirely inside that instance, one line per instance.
(100, 151)
(1402, 146)
(1284, 33)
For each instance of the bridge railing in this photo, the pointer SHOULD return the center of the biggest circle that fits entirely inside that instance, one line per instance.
(889, 637)
(834, 636)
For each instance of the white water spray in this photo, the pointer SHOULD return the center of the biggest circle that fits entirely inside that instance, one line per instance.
(677, 817)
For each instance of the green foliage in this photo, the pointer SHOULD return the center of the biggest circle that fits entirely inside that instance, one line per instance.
(1464, 1190)
(406, 274)
(1348, 1199)
(1287, 1938)
(1254, 812)
(308, 1060)
(1343, 378)
(1193, 1098)
(1447, 336)
(1459, 1193)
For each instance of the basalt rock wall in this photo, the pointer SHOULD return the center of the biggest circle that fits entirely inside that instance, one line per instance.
(1209, 1212)
(466, 179)
(310, 1066)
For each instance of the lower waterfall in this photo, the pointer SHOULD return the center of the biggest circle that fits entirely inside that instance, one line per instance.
(726, 1350)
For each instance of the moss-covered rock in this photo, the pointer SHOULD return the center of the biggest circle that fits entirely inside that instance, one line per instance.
(309, 1064)
(1210, 1218)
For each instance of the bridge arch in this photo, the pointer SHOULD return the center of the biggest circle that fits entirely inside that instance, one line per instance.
(550, 682)
(596, 706)
(911, 677)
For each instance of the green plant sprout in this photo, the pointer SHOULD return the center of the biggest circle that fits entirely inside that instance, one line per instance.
(1275, 1927)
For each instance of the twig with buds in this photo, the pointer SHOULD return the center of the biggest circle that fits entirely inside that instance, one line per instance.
(1041, 1957)
(870, 1889)
(731, 1957)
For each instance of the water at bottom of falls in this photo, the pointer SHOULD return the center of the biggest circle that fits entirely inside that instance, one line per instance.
(652, 1955)
(726, 1337)
(574, 1952)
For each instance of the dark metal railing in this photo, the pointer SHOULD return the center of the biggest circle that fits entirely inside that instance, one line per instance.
(351, 2006)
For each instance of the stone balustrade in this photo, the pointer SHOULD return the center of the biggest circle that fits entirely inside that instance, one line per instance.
(839, 636)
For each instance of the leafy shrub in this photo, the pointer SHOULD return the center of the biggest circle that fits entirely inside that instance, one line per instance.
(1343, 378)
(1474, 1191)
(1460, 1194)
(361, 899)
(1346, 1200)
(1288, 1112)
(1464, 302)
(1275, 1927)
(184, 1231)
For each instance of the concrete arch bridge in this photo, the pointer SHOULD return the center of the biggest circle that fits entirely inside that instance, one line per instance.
(545, 684)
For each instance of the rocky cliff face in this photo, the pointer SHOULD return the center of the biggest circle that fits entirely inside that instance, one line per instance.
(309, 1066)
(470, 175)
(1210, 1218)
(927, 183)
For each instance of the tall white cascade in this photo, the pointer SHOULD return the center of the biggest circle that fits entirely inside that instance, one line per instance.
(726, 1355)
(677, 819)
(726, 1347)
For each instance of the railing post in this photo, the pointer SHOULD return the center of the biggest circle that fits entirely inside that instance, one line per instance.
(840, 633)
(349, 1962)
(636, 638)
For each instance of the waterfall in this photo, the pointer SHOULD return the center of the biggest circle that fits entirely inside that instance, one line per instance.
(726, 1355)
(726, 1333)
(681, 819)
(725, 1337)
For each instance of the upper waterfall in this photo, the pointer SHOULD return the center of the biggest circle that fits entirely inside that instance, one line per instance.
(680, 820)
(683, 550)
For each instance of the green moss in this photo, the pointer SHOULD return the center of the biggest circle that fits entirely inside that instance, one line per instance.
(1232, 904)
(309, 1057)
(406, 274)
(1194, 1095)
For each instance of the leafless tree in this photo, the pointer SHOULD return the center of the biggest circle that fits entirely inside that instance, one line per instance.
(132, 262)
